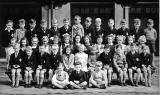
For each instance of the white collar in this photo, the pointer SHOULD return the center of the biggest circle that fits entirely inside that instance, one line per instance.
(7, 29)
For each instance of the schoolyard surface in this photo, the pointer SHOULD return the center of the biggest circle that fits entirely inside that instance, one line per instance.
(5, 88)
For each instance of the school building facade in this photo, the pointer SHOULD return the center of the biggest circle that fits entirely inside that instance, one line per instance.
(105, 9)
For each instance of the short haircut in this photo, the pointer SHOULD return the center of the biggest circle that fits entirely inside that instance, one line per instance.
(106, 47)
(99, 63)
(123, 21)
(35, 38)
(137, 20)
(32, 21)
(111, 20)
(28, 48)
(77, 17)
(98, 19)
(89, 19)
(22, 21)
(150, 21)
(9, 21)
(65, 19)
(24, 38)
(77, 63)
(43, 21)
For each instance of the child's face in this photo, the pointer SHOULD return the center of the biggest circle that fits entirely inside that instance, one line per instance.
(81, 49)
(66, 40)
(86, 40)
(24, 42)
(98, 66)
(98, 23)
(133, 48)
(78, 67)
(77, 20)
(77, 39)
(88, 23)
(68, 50)
(55, 24)
(41, 49)
(22, 25)
(54, 50)
(45, 41)
(16, 48)
(99, 40)
(55, 41)
(34, 42)
(32, 25)
(107, 50)
(110, 40)
(130, 40)
(137, 24)
(13, 42)
(123, 25)
(149, 25)
(120, 41)
(44, 25)
(118, 51)
(29, 52)
(9, 25)
(111, 23)
(66, 23)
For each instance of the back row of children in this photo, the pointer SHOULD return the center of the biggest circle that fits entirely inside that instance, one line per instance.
(88, 57)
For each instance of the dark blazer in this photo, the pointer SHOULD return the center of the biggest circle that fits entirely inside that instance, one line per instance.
(88, 30)
(6, 37)
(109, 31)
(137, 34)
(43, 60)
(63, 31)
(31, 62)
(133, 60)
(106, 59)
(74, 76)
(54, 61)
(30, 34)
(146, 59)
(41, 33)
(55, 32)
(97, 33)
(125, 32)
(16, 60)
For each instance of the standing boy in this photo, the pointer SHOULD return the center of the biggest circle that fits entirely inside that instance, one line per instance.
(8, 33)
(21, 31)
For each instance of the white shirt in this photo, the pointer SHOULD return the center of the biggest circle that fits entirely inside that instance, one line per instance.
(83, 58)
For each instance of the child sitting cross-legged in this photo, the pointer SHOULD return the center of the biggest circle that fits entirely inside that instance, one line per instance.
(60, 78)
(98, 77)
(78, 78)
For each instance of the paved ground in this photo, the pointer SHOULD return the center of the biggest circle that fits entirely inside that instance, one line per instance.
(5, 88)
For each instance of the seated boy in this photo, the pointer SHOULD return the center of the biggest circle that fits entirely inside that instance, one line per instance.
(42, 66)
(146, 60)
(133, 60)
(119, 61)
(55, 59)
(60, 78)
(77, 77)
(29, 66)
(107, 59)
(16, 65)
(98, 77)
